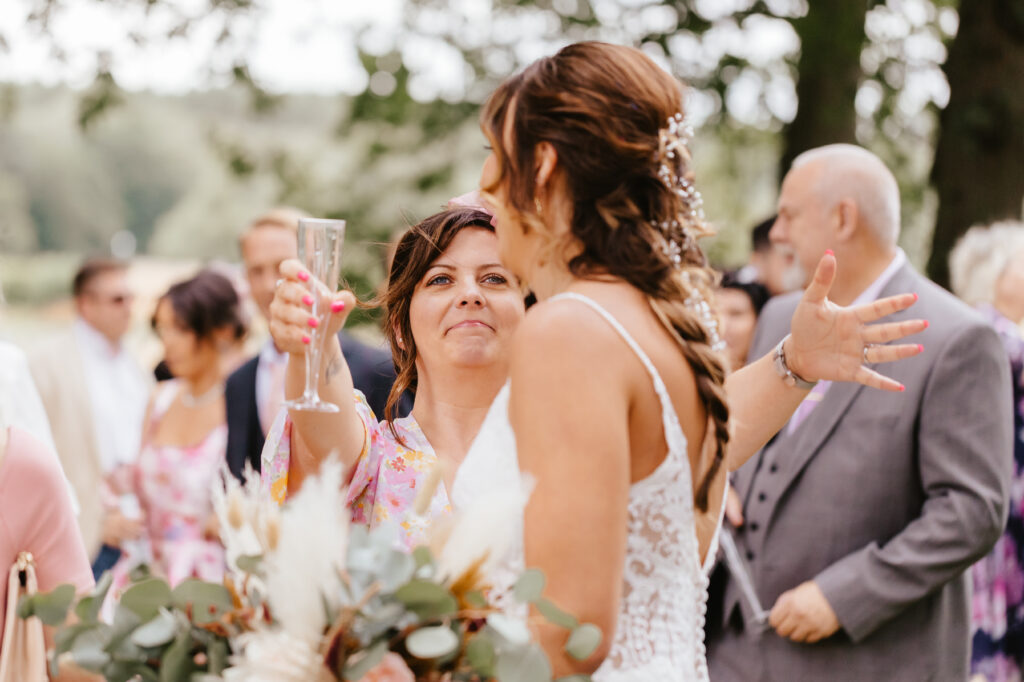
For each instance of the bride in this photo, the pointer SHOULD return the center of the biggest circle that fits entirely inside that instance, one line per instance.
(617, 402)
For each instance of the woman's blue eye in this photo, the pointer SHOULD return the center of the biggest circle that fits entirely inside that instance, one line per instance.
(439, 279)
(495, 279)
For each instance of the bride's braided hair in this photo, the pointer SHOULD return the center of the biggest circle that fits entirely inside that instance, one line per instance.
(614, 119)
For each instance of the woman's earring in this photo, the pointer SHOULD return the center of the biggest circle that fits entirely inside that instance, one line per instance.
(536, 203)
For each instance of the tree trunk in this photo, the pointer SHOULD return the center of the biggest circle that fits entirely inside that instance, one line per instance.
(979, 159)
(831, 39)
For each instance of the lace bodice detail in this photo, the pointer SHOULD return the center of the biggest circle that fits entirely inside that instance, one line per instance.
(660, 627)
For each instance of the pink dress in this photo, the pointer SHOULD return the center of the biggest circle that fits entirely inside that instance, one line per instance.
(174, 485)
(36, 516)
(385, 479)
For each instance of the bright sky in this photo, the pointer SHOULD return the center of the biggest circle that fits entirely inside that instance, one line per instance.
(298, 45)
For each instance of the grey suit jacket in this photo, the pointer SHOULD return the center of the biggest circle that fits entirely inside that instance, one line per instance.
(883, 499)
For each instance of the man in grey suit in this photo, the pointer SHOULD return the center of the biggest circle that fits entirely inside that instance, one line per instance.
(864, 511)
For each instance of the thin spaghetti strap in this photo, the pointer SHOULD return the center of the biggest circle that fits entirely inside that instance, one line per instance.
(163, 395)
(659, 385)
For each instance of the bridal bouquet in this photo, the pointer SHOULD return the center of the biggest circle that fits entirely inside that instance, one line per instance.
(308, 597)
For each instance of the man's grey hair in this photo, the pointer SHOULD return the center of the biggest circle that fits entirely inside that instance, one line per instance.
(981, 257)
(852, 172)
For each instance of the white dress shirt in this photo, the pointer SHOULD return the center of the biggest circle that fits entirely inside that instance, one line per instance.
(270, 371)
(118, 391)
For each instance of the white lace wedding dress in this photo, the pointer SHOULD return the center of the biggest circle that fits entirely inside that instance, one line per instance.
(659, 633)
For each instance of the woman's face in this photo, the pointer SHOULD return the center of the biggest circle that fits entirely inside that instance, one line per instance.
(185, 355)
(465, 309)
(738, 320)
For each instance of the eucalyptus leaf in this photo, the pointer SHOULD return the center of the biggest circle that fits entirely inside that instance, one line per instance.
(49, 607)
(360, 664)
(176, 664)
(208, 600)
(251, 563)
(129, 671)
(65, 637)
(395, 570)
(88, 609)
(530, 586)
(428, 600)
(125, 622)
(583, 641)
(158, 631)
(422, 556)
(513, 631)
(89, 648)
(480, 654)
(146, 598)
(555, 615)
(433, 642)
(523, 664)
(217, 656)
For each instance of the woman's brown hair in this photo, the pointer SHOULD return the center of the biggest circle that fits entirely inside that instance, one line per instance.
(606, 109)
(417, 249)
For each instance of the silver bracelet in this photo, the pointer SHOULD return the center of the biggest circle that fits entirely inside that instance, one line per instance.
(787, 375)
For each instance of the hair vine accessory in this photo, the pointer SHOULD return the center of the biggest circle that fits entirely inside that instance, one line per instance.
(672, 157)
(700, 306)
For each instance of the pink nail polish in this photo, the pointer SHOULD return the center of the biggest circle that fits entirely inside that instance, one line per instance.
(920, 348)
(303, 275)
(926, 324)
(313, 322)
(337, 306)
(306, 339)
(829, 252)
(307, 299)
(902, 388)
(916, 297)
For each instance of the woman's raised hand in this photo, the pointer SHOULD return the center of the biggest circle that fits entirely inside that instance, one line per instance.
(836, 343)
(291, 311)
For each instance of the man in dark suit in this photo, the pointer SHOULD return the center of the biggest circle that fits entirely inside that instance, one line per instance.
(863, 513)
(255, 391)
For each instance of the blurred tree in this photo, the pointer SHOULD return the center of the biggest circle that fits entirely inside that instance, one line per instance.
(828, 75)
(979, 159)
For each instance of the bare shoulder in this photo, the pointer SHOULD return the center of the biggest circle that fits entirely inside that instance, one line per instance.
(563, 326)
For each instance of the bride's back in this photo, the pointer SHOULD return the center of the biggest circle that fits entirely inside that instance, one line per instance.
(612, 394)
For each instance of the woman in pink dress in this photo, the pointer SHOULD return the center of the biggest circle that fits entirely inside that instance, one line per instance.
(36, 516)
(185, 433)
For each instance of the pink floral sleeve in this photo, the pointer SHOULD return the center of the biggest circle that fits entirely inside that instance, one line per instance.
(276, 454)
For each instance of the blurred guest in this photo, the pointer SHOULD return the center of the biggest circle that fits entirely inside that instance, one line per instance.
(255, 391)
(185, 432)
(987, 268)
(94, 393)
(866, 510)
(773, 265)
(738, 304)
(37, 518)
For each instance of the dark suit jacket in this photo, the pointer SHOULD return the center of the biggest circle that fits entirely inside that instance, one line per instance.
(883, 500)
(373, 373)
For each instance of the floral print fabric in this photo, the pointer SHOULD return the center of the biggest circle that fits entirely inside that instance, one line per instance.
(386, 477)
(998, 602)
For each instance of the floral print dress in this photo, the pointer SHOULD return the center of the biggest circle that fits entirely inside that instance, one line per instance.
(998, 602)
(385, 479)
(174, 486)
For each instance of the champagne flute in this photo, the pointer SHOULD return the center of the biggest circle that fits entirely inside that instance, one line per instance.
(320, 252)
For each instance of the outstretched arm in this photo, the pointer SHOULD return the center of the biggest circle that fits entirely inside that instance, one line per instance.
(828, 342)
(317, 434)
